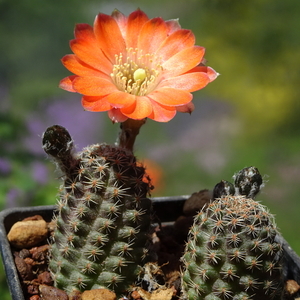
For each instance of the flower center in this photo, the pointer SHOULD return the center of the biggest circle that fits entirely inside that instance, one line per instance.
(137, 74)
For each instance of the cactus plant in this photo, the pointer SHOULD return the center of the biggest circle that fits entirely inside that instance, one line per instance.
(232, 252)
(103, 215)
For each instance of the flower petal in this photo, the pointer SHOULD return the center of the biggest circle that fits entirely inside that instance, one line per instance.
(176, 42)
(86, 48)
(162, 113)
(189, 82)
(93, 86)
(152, 34)
(92, 103)
(211, 73)
(141, 109)
(120, 99)
(183, 61)
(173, 25)
(91, 54)
(84, 31)
(67, 83)
(116, 116)
(121, 19)
(78, 67)
(171, 97)
(109, 36)
(136, 20)
(187, 108)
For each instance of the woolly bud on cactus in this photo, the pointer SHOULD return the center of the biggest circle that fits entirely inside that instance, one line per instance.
(103, 215)
(248, 182)
(223, 188)
(232, 253)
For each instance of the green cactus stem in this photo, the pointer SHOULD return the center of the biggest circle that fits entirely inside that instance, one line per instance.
(232, 253)
(103, 215)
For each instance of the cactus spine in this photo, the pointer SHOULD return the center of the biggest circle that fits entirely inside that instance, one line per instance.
(103, 215)
(232, 252)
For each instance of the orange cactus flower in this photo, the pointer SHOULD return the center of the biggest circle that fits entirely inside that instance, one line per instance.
(135, 67)
(154, 173)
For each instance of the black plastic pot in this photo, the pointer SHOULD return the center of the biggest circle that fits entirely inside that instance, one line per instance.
(167, 209)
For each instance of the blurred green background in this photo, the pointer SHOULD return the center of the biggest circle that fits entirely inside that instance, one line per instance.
(248, 116)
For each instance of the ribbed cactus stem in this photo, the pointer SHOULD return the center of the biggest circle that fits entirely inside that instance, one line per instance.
(232, 253)
(103, 216)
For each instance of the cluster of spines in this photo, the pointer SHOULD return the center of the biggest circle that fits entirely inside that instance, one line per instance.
(232, 252)
(103, 215)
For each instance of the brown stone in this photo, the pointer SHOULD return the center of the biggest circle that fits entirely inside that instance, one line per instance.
(32, 289)
(98, 294)
(24, 253)
(51, 293)
(26, 234)
(159, 294)
(35, 297)
(33, 218)
(292, 287)
(25, 270)
(75, 295)
(29, 261)
(45, 278)
(135, 295)
(40, 253)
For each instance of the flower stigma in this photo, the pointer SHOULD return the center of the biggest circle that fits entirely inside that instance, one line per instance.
(138, 74)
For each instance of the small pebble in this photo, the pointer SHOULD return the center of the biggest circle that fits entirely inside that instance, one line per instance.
(75, 295)
(33, 218)
(23, 268)
(29, 261)
(135, 295)
(98, 294)
(24, 253)
(45, 278)
(292, 287)
(26, 234)
(51, 293)
(35, 297)
(40, 253)
(32, 289)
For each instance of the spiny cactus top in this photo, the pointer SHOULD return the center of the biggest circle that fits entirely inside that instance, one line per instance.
(103, 215)
(232, 253)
